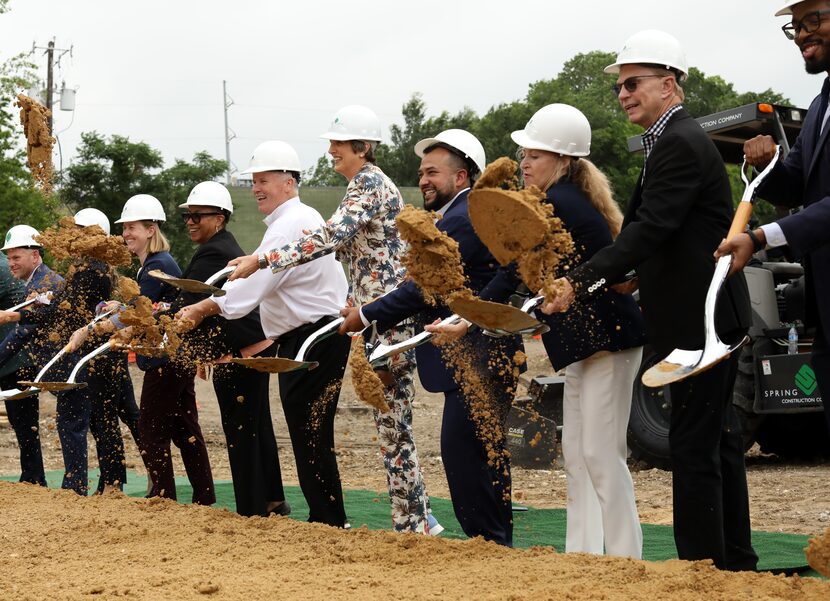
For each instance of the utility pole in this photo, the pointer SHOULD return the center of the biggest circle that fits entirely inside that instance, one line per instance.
(227, 101)
(50, 78)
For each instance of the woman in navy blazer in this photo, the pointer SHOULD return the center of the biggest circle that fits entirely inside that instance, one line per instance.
(599, 344)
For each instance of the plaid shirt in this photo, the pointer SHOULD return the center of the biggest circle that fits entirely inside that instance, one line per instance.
(650, 136)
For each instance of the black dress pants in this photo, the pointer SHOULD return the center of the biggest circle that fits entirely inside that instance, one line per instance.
(242, 394)
(710, 497)
(23, 417)
(309, 401)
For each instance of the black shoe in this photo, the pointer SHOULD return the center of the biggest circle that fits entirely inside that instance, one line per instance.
(282, 509)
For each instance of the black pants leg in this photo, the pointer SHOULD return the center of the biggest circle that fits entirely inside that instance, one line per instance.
(309, 401)
(710, 497)
(820, 361)
(23, 417)
(104, 377)
(480, 491)
(252, 447)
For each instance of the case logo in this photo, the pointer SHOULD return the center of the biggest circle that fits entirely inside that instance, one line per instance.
(805, 379)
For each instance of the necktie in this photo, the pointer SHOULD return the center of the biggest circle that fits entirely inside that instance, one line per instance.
(822, 108)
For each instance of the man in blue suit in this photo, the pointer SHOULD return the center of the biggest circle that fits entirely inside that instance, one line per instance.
(803, 178)
(27, 267)
(473, 426)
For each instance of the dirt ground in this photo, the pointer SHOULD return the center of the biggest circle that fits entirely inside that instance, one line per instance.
(784, 497)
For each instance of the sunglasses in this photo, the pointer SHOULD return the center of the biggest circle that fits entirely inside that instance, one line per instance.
(631, 83)
(196, 218)
(809, 24)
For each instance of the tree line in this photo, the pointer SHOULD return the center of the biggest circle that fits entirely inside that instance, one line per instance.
(109, 169)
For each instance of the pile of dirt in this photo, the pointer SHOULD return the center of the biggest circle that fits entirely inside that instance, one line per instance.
(518, 226)
(35, 120)
(818, 553)
(67, 241)
(148, 549)
(432, 258)
(367, 383)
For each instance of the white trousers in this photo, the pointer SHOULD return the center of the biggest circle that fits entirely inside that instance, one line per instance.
(601, 509)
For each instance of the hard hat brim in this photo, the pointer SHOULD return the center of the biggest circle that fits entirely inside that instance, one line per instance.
(421, 146)
(333, 135)
(521, 138)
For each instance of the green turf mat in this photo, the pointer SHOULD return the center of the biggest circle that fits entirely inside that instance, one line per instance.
(777, 551)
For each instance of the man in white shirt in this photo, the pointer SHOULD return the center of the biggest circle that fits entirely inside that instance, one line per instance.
(292, 305)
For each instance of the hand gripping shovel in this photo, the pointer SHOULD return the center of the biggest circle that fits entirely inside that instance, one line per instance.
(280, 365)
(681, 364)
(37, 385)
(44, 299)
(195, 286)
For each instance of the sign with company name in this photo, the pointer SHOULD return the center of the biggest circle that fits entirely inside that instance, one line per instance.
(787, 384)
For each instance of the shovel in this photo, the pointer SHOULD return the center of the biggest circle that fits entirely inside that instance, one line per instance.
(681, 364)
(43, 299)
(378, 352)
(195, 286)
(281, 365)
(497, 319)
(36, 385)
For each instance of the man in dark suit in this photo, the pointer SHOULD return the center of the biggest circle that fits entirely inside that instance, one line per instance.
(32, 275)
(480, 488)
(803, 178)
(680, 210)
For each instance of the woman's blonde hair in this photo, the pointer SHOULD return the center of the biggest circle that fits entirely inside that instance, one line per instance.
(158, 242)
(593, 183)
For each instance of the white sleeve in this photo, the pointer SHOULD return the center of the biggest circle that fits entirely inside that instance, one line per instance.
(243, 296)
(774, 234)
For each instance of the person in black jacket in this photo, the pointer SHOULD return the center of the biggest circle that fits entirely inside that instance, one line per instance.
(677, 216)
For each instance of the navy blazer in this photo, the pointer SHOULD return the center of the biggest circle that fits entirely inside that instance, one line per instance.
(803, 177)
(407, 300)
(12, 356)
(157, 291)
(609, 322)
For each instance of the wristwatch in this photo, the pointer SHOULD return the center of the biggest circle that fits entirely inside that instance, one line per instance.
(262, 260)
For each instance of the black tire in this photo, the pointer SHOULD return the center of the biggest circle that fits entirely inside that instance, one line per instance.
(648, 424)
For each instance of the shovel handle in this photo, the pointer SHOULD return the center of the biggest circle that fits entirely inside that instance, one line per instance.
(741, 219)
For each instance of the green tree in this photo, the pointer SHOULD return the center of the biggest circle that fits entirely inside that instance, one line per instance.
(322, 174)
(107, 172)
(20, 201)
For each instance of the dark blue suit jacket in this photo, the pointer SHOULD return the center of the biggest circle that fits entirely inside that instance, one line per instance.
(156, 291)
(609, 322)
(406, 301)
(12, 356)
(804, 178)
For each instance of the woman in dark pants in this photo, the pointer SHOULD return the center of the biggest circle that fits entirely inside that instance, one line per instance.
(242, 393)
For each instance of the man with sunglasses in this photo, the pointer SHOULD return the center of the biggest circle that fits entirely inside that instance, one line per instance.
(802, 178)
(680, 210)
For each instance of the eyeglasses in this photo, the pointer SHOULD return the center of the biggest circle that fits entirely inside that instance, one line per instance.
(810, 23)
(631, 83)
(197, 217)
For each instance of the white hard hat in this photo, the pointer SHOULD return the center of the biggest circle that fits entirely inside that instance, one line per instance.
(90, 216)
(354, 122)
(21, 236)
(652, 47)
(787, 9)
(209, 194)
(559, 128)
(462, 141)
(142, 207)
(274, 155)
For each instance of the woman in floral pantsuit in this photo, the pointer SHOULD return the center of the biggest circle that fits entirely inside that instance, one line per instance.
(363, 234)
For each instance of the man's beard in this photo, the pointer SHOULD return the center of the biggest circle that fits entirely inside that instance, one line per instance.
(817, 65)
(440, 200)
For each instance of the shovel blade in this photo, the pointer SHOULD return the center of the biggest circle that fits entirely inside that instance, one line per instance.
(273, 365)
(681, 364)
(495, 317)
(15, 394)
(54, 386)
(193, 286)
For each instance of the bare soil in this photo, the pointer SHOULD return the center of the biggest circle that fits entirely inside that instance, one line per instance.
(57, 545)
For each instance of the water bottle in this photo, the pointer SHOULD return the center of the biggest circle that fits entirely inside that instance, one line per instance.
(792, 341)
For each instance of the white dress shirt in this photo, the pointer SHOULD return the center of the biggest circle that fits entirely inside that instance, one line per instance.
(294, 297)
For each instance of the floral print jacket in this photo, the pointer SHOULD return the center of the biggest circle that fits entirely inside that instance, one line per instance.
(363, 234)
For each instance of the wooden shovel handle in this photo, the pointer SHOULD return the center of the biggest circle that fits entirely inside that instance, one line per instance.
(741, 219)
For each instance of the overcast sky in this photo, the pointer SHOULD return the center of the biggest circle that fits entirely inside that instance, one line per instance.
(152, 70)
